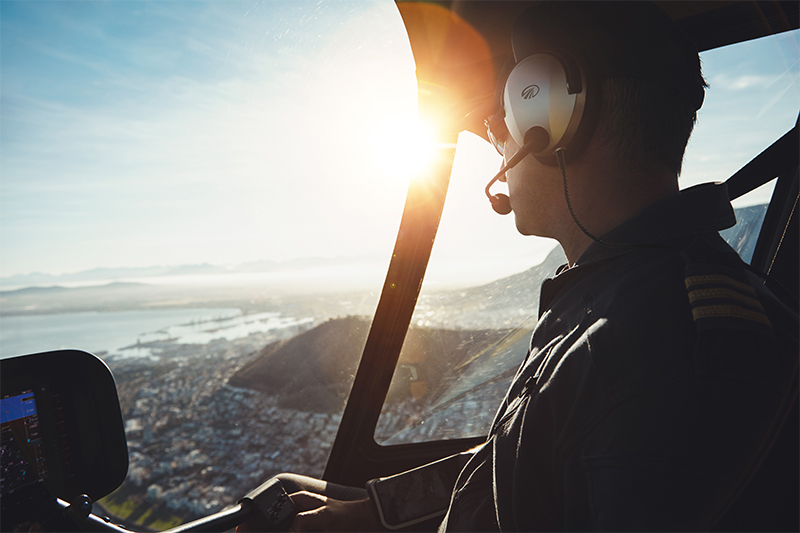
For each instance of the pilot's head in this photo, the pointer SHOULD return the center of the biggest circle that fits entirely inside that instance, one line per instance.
(633, 80)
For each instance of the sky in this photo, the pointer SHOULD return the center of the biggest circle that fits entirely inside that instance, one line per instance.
(168, 133)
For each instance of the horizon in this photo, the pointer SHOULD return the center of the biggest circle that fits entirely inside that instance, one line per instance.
(360, 272)
(121, 272)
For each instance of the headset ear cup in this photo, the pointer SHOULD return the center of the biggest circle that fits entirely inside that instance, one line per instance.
(546, 91)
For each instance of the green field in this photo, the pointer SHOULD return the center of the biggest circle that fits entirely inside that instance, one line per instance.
(135, 513)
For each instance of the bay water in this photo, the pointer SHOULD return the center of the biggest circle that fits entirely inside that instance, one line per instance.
(122, 333)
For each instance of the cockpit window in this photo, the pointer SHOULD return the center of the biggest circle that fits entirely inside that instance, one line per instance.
(753, 99)
(479, 302)
(198, 192)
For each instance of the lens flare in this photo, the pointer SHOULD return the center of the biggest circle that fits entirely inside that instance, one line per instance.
(403, 148)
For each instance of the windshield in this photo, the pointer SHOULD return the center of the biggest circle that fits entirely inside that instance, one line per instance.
(187, 189)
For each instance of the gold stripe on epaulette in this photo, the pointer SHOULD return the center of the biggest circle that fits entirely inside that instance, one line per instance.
(719, 278)
(729, 311)
(721, 292)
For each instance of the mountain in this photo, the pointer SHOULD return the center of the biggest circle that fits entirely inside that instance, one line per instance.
(46, 291)
(57, 299)
(35, 291)
(95, 274)
(193, 270)
(313, 371)
(108, 274)
(743, 236)
(500, 304)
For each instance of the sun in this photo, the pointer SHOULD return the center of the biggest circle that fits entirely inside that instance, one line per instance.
(403, 147)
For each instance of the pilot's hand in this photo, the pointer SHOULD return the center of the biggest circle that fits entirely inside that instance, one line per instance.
(320, 513)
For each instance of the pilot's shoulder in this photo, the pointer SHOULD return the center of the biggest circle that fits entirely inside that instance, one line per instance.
(724, 297)
(721, 290)
(738, 321)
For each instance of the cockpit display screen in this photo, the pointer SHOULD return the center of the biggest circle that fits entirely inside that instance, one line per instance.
(21, 447)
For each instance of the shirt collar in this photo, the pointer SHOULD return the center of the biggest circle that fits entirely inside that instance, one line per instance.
(671, 222)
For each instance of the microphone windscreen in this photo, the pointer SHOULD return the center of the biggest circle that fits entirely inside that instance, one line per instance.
(501, 204)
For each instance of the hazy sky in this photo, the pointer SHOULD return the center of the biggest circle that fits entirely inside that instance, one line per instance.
(159, 133)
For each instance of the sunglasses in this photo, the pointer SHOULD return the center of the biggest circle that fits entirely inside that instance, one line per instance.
(497, 132)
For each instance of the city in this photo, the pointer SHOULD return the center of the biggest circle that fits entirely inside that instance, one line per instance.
(197, 443)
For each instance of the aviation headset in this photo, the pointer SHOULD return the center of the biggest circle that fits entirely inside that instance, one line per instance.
(545, 103)
(549, 100)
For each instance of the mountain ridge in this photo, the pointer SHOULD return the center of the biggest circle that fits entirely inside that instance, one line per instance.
(112, 273)
(430, 360)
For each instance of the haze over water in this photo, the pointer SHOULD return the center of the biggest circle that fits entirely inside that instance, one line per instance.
(110, 332)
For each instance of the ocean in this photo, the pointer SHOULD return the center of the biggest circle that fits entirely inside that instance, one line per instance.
(123, 332)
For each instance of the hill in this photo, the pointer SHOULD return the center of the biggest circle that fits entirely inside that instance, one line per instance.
(314, 370)
(113, 296)
(311, 371)
(504, 303)
(743, 236)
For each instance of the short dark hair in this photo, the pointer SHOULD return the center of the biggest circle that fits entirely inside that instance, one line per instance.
(645, 69)
(644, 123)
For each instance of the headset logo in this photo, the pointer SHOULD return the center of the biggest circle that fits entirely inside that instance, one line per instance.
(530, 91)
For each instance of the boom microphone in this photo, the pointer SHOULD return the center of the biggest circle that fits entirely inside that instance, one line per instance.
(538, 139)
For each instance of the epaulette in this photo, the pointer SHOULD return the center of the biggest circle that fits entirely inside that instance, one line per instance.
(721, 295)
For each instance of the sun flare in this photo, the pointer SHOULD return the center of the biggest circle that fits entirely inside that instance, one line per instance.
(403, 148)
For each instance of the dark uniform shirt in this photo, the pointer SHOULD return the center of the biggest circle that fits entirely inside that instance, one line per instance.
(654, 382)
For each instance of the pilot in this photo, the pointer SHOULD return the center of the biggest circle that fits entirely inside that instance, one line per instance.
(657, 372)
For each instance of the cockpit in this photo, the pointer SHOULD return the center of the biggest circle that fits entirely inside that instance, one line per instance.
(247, 238)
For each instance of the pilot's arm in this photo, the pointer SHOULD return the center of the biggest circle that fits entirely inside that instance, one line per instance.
(418, 495)
(321, 513)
